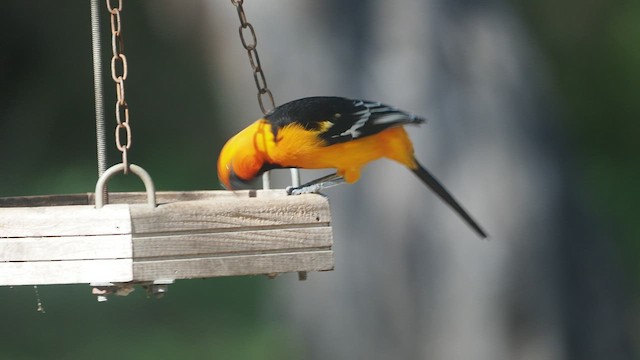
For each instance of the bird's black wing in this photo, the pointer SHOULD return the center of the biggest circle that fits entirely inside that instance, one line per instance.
(338, 118)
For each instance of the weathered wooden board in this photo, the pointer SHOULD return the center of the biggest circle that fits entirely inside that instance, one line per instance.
(230, 236)
(44, 200)
(65, 245)
(231, 213)
(65, 272)
(258, 241)
(64, 221)
(163, 197)
(66, 248)
(133, 197)
(233, 265)
(188, 235)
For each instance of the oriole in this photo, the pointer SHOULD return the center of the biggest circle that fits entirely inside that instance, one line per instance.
(326, 132)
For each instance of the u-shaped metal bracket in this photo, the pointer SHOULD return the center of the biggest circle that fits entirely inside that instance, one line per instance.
(140, 172)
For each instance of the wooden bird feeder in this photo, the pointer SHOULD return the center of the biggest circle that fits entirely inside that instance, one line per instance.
(64, 239)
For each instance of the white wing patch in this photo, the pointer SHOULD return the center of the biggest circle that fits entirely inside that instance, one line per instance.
(391, 118)
(353, 131)
(364, 116)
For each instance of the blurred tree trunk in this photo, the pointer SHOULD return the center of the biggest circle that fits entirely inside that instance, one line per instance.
(411, 280)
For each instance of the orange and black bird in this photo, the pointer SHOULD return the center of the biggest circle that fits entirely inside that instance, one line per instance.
(327, 132)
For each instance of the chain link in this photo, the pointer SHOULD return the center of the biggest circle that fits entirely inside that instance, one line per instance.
(119, 72)
(250, 43)
(265, 97)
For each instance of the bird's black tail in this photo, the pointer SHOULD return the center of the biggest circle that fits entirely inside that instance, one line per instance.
(435, 185)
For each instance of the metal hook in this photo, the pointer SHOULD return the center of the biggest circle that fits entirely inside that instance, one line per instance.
(140, 172)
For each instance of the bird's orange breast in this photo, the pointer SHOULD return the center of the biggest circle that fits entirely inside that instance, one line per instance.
(297, 147)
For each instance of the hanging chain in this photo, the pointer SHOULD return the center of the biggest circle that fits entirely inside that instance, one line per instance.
(250, 42)
(119, 61)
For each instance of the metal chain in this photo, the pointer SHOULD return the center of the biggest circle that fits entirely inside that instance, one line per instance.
(263, 91)
(258, 74)
(250, 42)
(119, 61)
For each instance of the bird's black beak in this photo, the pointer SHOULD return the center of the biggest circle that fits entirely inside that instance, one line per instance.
(237, 183)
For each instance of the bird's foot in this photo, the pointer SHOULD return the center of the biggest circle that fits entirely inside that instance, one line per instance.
(305, 189)
(314, 187)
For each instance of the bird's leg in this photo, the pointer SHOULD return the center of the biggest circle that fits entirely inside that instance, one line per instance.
(316, 185)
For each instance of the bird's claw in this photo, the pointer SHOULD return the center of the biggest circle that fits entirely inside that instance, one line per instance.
(316, 185)
(303, 189)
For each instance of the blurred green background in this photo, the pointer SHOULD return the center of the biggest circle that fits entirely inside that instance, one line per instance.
(592, 50)
(47, 146)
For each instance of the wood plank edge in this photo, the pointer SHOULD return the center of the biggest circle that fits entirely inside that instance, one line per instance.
(229, 254)
(233, 266)
(65, 272)
(231, 229)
